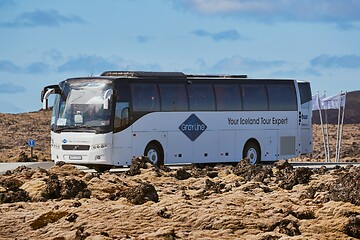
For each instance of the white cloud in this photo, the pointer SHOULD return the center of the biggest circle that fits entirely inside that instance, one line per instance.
(334, 11)
(238, 64)
(344, 61)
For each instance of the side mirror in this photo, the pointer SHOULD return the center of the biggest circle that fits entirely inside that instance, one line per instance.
(46, 96)
(107, 97)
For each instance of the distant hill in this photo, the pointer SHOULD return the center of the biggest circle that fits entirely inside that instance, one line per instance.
(352, 111)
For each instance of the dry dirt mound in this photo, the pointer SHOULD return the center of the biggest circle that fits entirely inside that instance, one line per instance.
(17, 129)
(241, 202)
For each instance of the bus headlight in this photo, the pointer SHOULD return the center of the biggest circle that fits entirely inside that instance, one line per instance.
(99, 146)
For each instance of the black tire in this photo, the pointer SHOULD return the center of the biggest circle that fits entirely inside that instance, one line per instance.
(102, 168)
(153, 152)
(252, 152)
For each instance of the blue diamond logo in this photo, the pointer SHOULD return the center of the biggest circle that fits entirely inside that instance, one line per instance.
(193, 127)
(64, 140)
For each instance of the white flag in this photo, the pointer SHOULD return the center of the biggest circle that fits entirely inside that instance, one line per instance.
(333, 102)
(316, 101)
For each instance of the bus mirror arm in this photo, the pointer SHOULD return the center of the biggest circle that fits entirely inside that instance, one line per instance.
(46, 96)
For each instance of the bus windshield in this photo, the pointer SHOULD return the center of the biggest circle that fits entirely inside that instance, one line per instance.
(82, 106)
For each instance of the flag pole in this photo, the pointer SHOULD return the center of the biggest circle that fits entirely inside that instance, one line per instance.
(322, 128)
(338, 130)
(327, 133)
(342, 123)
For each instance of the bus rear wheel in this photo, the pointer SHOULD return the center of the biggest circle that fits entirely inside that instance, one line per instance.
(153, 152)
(252, 152)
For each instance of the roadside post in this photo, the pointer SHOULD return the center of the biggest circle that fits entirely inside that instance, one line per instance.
(31, 144)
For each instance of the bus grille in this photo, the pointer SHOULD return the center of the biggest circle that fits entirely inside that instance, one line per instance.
(76, 147)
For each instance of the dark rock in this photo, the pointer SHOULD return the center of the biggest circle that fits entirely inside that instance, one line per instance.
(212, 174)
(212, 186)
(11, 184)
(60, 163)
(66, 189)
(286, 226)
(71, 188)
(289, 178)
(53, 187)
(182, 174)
(165, 168)
(352, 228)
(185, 195)
(321, 171)
(346, 188)
(283, 164)
(305, 214)
(138, 163)
(76, 204)
(250, 172)
(71, 217)
(270, 237)
(140, 194)
(103, 233)
(13, 192)
(14, 196)
(164, 213)
(309, 194)
(81, 234)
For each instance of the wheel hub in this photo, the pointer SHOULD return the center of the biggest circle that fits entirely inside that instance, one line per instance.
(152, 155)
(252, 155)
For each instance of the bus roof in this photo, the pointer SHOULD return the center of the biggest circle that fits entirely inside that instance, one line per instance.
(165, 74)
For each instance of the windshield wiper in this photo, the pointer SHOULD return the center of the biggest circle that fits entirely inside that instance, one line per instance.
(75, 128)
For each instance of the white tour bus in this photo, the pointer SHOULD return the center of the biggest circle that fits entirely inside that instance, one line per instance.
(174, 118)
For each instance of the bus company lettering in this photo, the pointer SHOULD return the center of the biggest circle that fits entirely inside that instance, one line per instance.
(192, 127)
(258, 121)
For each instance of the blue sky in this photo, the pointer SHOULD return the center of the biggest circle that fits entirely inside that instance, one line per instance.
(43, 42)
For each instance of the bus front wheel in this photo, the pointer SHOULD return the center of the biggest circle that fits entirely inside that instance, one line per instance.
(252, 152)
(153, 152)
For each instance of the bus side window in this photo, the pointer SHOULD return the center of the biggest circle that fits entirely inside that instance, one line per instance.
(201, 97)
(121, 119)
(121, 115)
(254, 97)
(228, 98)
(173, 97)
(282, 97)
(145, 97)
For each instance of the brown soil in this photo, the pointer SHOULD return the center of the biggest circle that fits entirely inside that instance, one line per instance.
(241, 202)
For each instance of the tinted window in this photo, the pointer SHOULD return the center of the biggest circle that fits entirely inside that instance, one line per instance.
(173, 97)
(305, 92)
(201, 97)
(282, 97)
(254, 97)
(121, 119)
(145, 97)
(228, 97)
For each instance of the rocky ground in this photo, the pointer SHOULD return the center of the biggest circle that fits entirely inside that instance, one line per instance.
(221, 202)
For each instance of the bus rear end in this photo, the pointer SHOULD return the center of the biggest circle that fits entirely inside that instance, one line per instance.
(306, 118)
